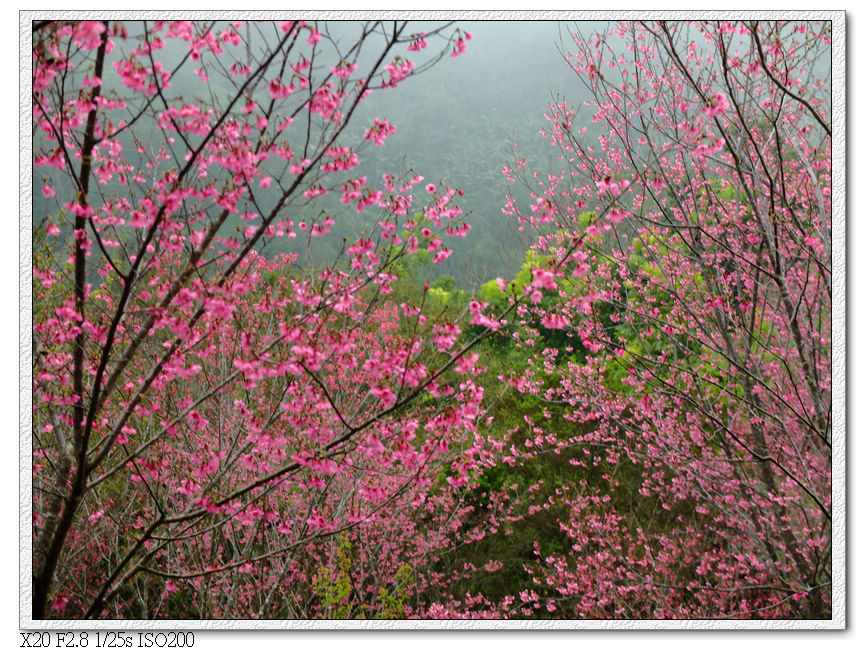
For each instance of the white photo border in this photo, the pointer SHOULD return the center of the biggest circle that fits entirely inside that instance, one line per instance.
(839, 321)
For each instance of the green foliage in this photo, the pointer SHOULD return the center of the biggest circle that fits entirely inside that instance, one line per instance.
(392, 603)
(490, 292)
(333, 588)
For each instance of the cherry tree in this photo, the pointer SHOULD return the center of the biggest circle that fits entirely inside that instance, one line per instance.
(218, 429)
(226, 424)
(684, 246)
